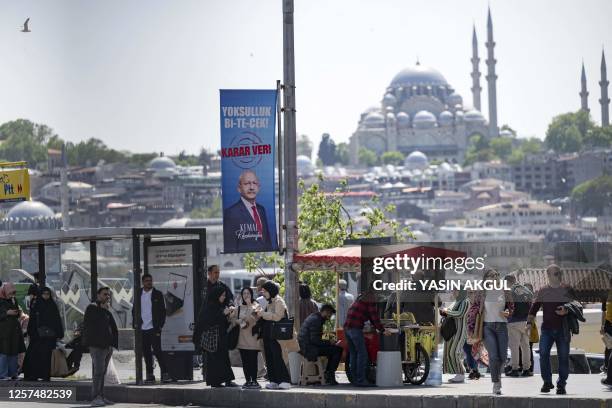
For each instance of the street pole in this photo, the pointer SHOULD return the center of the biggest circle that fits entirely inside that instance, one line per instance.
(289, 159)
(64, 192)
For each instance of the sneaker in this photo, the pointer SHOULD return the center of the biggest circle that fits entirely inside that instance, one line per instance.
(547, 387)
(272, 386)
(330, 379)
(513, 373)
(561, 390)
(98, 402)
(605, 381)
(107, 401)
(459, 378)
(527, 373)
(150, 379)
(284, 386)
(497, 388)
(255, 385)
(231, 384)
(165, 378)
(246, 385)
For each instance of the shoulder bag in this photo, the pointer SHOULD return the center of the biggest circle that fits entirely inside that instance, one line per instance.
(209, 340)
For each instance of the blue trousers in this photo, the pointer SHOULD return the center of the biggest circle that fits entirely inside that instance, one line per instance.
(8, 366)
(467, 349)
(358, 355)
(496, 343)
(547, 339)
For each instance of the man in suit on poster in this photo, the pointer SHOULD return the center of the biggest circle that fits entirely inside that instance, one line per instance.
(245, 225)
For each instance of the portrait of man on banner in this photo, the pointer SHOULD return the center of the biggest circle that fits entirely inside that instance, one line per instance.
(246, 225)
(248, 134)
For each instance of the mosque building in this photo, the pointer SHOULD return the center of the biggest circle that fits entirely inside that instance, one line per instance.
(420, 111)
(604, 101)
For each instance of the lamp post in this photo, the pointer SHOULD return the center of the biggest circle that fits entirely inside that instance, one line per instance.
(289, 162)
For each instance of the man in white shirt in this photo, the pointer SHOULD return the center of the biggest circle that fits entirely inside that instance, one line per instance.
(152, 320)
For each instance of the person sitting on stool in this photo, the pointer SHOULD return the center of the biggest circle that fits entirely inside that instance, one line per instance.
(312, 345)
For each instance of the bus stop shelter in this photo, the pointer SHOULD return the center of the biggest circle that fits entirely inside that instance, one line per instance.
(141, 240)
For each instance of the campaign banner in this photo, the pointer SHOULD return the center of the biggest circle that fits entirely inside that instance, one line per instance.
(248, 124)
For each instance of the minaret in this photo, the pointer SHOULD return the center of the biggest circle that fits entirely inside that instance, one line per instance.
(584, 94)
(491, 78)
(475, 72)
(604, 101)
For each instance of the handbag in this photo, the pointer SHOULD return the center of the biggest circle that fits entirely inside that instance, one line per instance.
(44, 332)
(283, 329)
(448, 328)
(209, 340)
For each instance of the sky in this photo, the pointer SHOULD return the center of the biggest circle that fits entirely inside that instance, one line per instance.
(144, 75)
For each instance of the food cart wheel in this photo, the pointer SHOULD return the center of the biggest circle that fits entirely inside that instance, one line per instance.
(416, 373)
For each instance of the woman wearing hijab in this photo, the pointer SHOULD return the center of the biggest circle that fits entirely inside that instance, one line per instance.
(44, 329)
(11, 337)
(453, 348)
(248, 343)
(276, 309)
(215, 314)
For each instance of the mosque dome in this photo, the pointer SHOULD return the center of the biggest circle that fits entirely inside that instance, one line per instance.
(374, 119)
(416, 161)
(474, 116)
(30, 209)
(389, 100)
(403, 119)
(418, 75)
(454, 99)
(424, 119)
(161, 163)
(446, 118)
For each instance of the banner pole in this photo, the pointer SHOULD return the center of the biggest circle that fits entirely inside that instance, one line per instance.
(290, 159)
(281, 190)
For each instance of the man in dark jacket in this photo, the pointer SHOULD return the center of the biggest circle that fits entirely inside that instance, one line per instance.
(151, 320)
(312, 345)
(100, 336)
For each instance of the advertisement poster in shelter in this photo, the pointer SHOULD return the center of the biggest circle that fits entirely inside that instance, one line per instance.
(171, 267)
(248, 119)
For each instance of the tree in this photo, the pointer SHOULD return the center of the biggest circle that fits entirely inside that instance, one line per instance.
(23, 140)
(327, 150)
(593, 196)
(393, 157)
(343, 155)
(323, 223)
(479, 150)
(599, 137)
(185, 159)
(304, 146)
(140, 159)
(567, 132)
(367, 157)
(90, 152)
(502, 147)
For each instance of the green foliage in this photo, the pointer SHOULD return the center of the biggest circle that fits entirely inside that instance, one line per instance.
(593, 196)
(568, 132)
(9, 257)
(367, 157)
(184, 159)
(90, 152)
(343, 154)
(141, 159)
(211, 211)
(528, 146)
(502, 147)
(304, 146)
(479, 150)
(23, 140)
(599, 137)
(327, 150)
(393, 157)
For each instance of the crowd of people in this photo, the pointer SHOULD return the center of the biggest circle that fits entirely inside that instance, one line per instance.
(485, 325)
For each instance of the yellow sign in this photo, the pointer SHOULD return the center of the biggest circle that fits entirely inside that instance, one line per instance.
(14, 185)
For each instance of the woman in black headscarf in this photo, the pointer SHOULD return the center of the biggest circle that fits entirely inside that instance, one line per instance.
(44, 329)
(219, 368)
